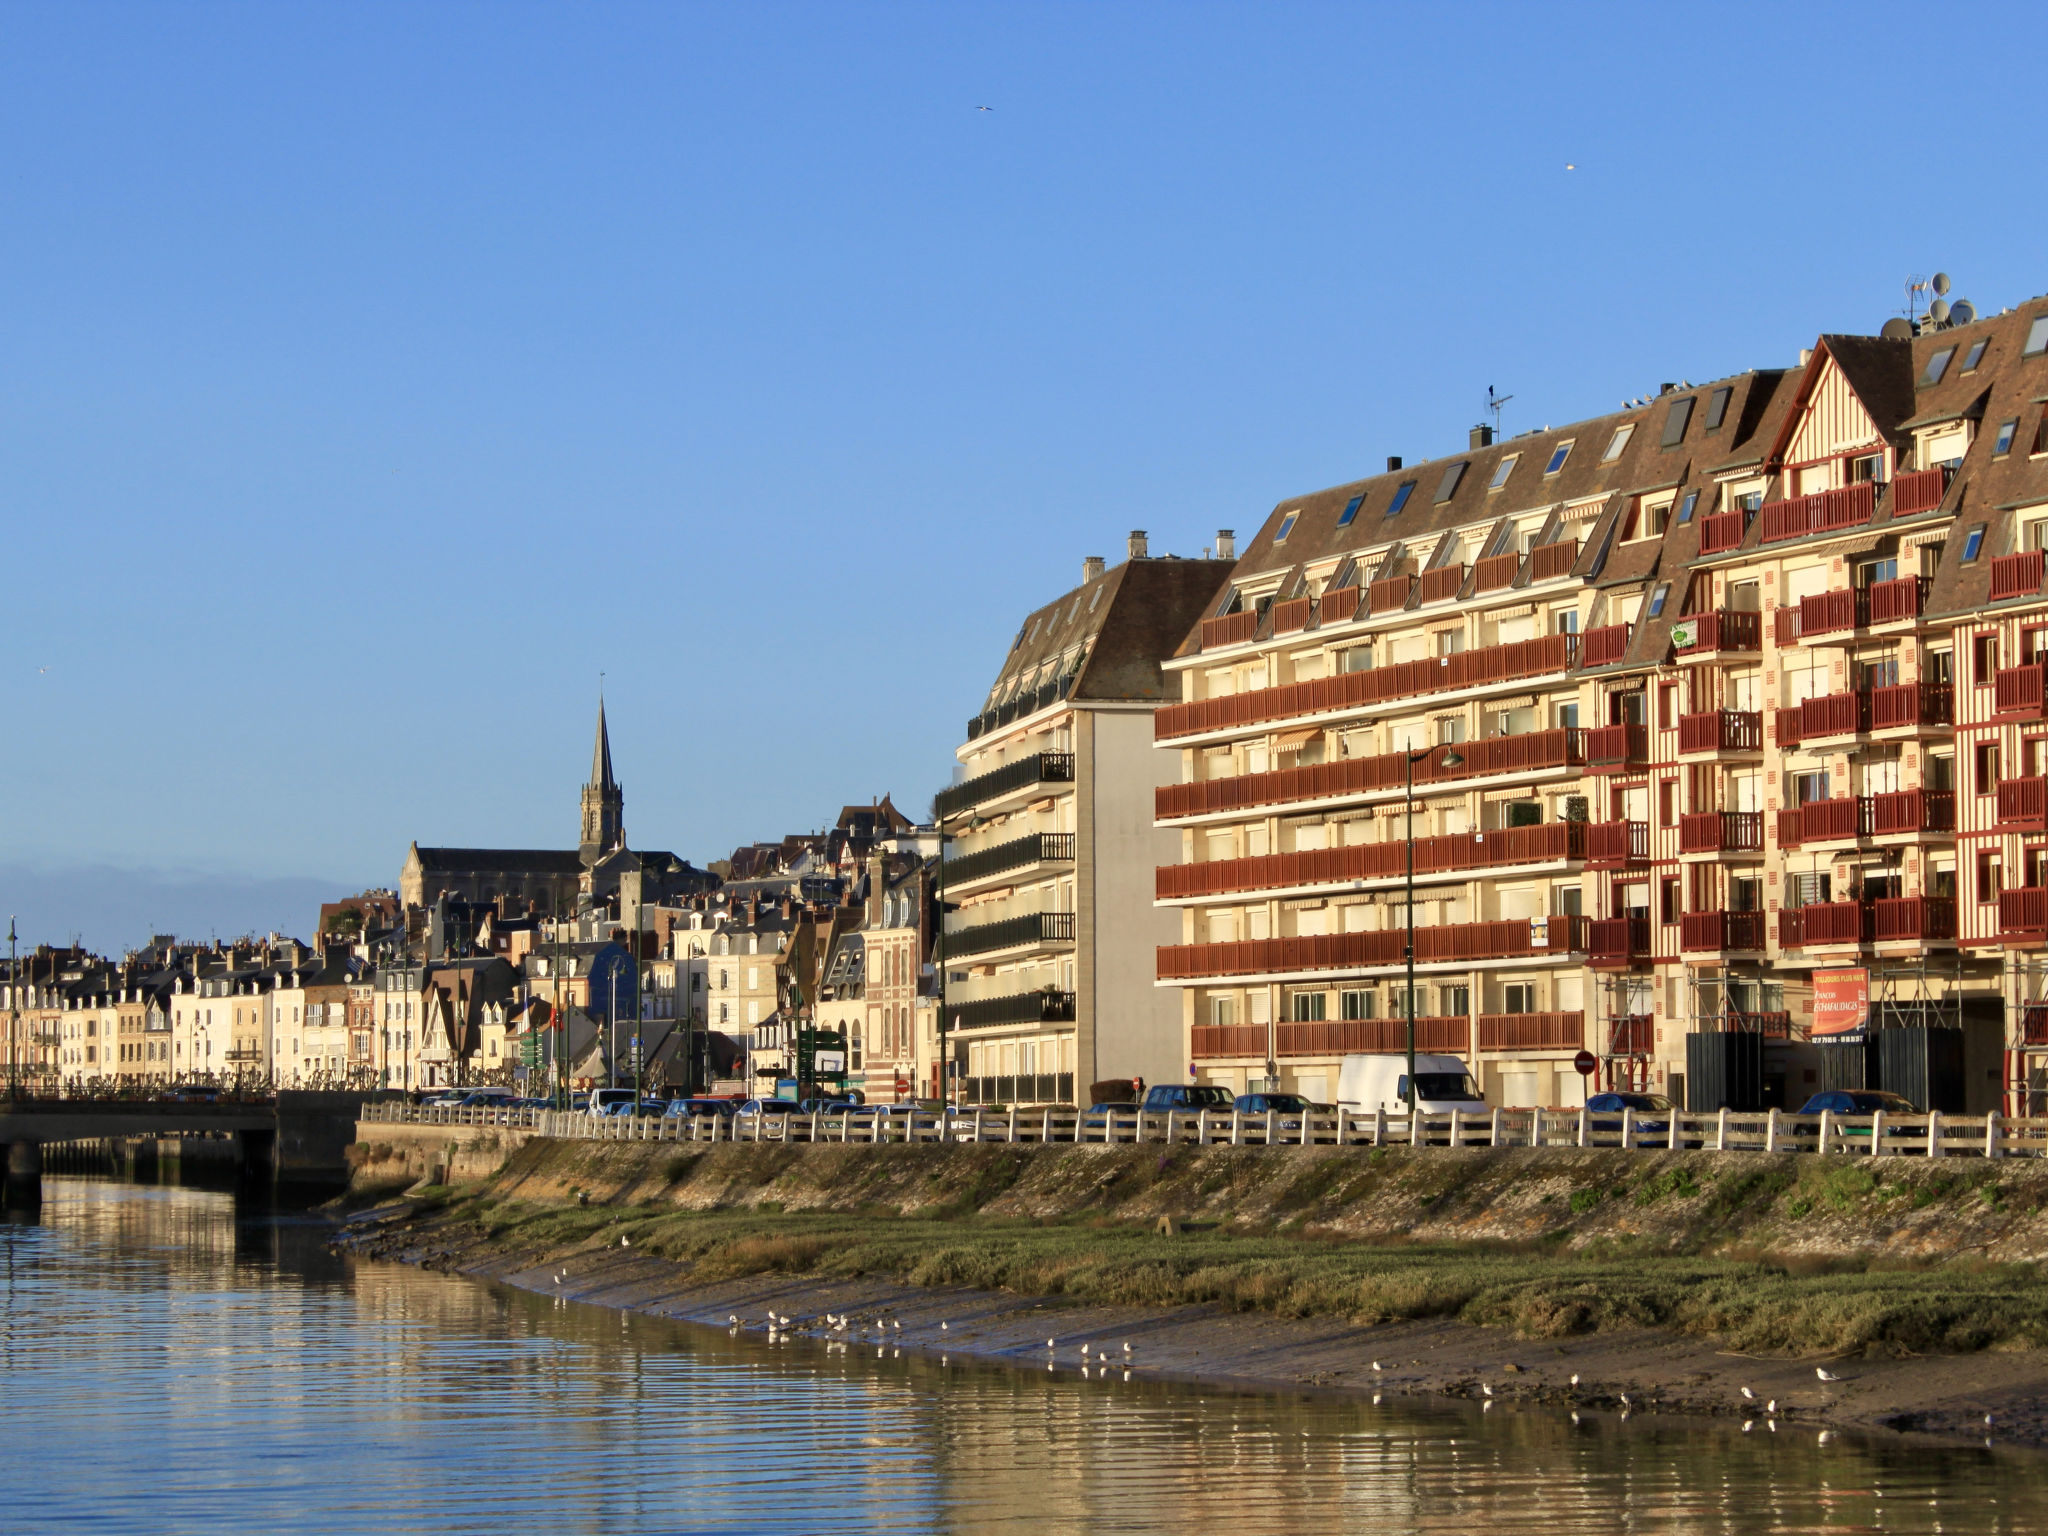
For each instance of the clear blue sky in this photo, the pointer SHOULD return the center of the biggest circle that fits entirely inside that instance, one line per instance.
(372, 377)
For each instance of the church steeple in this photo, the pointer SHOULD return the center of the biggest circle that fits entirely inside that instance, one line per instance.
(604, 803)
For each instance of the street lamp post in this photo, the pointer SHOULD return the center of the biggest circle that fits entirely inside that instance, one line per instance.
(1410, 759)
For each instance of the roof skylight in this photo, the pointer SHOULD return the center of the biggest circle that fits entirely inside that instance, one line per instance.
(1676, 420)
(1407, 489)
(1937, 365)
(1350, 510)
(1975, 355)
(1717, 406)
(1286, 527)
(1558, 455)
(2005, 431)
(2037, 337)
(1692, 499)
(1447, 487)
(1618, 442)
(1501, 472)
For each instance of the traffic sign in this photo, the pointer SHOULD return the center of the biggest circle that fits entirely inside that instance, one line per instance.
(1587, 1063)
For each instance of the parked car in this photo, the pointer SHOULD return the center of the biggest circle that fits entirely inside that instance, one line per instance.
(689, 1109)
(1852, 1101)
(1607, 1107)
(1288, 1106)
(773, 1107)
(189, 1093)
(1165, 1096)
(608, 1103)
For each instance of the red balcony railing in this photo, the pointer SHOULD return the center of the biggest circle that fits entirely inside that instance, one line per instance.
(2023, 913)
(1498, 849)
(1376, 685)
(1377, 1037)
(1547, 562)
(2023, 805)
(1292, 615)
(1230, 629)
(1827, 922)
(1928, 919)
(2016, 575)
(2034, 1023)
(1904, 598)
(1824, 512)
(1601, 646)
(1836, 714)
(1912, 810)
(1912, 704)
(1631, 1034)
(1390, 593)
(1919, 491)
(1617, 844)
(1511, 939)
(1699, 931)
(1827, 613)
(1532, 1031)
(1785, 624)
(1211, 1040)
(1721, 730)
(1820, 821)
(1721, 832)
(1339, 604)
(1727, 629)
(1616, 748)
(1495, 572)
(1618, 942)
(1532, 752)
(1723, 531)
(1443, 583)
(1788, 720)
(2018, 693)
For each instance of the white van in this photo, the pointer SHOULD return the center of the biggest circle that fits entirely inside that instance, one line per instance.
(1367, 1083)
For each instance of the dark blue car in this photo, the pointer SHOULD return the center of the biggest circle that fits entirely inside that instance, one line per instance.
(1642, 1103)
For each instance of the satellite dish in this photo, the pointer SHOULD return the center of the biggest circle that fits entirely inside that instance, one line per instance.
(1897, 330)
(1938, 311)
(1962, 312)
(1941, 282)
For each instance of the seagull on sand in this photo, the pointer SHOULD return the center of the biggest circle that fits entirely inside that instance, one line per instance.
(945, 1327)
(1751, 1396)
(1575, 1378)
(1825, 1374)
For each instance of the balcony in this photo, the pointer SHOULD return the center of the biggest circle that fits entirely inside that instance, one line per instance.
(1339, 605)
(1047, 1007)
(1024, 773)
(1292, 615)
(2016, 575)
(1554, 842)
(1899, 601)
(1604, 646)
(1920, 491)
(1915, 919)
(1617, 748)
(1785, 625)
(1532, 1031)
(1018, 853)
(1548, 562)
(1448, 944)
(1723, 531)
(1842, 611)
(1028, 703)
(1843, 819)
(1026, 1088)
(1530, 753)
(2034, 1023)
(1442, 584)
(1728, 932)
(1029, 930)
(2023, 916)
(1850, 924)
(1617, 943)
(1495, 572)
(1721, 730)
(1824, 512)
(1911, 706)
(1447, 1033)
(2018, 692)
(1390, 594)
(1229, 629)
(1834, 714)
(1631, 1034)
(1617, 844)
(2022, 805)
(1699, 635)
(1908, 812)
(1721, 832)
(1353, 691)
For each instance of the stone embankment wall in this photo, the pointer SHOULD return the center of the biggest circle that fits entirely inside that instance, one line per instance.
(1899, 1209)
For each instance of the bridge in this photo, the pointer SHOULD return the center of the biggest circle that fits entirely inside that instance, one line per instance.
(297, 1139)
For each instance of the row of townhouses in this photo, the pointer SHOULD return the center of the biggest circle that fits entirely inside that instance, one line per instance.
(1700, 748)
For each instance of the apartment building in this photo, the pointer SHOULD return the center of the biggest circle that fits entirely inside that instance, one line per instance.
(1677, 689)
(1049, 845)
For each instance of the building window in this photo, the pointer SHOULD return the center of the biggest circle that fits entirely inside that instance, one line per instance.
(1692, 499)
(1223, 1011)
(1667, 803)
(1937, 365)
(1558, 455)
(1974, 356)
(1676, 420)
(1657, 598)
(1501, 471)
(1990, 876)
(1447, 487)
(1984, 659)
(1669, 900)
(1518, 997)
(2037, 336)
(2002, 445)
(1359, 1004)
(1618, 442)
(1973, 544)
(1350, 510)
(1401, 495)
(1717, 406)
(1306, 1007)
(1987, 767)
(1286, 527)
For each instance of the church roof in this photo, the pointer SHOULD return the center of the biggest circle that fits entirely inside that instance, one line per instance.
(553, 861)
(601, 755)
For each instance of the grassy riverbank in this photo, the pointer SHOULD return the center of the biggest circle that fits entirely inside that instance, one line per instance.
(1760, 1307)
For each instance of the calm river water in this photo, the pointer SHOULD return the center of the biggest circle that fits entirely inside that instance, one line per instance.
(171, 1365)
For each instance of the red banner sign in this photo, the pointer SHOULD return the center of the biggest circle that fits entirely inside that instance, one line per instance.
(1841, 1001)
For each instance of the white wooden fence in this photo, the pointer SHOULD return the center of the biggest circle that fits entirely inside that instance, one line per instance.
(1876, 1135)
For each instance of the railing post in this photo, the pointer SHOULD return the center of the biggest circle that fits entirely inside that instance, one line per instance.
(1877, 1133)
(1457, 1126)
(1721, 1130)
(1493, 1140)
(1013, 1123)
(1585, 1127)
(1991, 1148)
(1827, 1123)
(1628, 1130)
(1934, 1133)
(1771, 1131)
(1379, 1125)
(1271, 1122)
(1201, 1127)
(1237, 1127)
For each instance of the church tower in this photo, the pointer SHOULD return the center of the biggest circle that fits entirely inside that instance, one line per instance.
(604, 803)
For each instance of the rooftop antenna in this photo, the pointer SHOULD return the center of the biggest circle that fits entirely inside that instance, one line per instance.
(1493, 403)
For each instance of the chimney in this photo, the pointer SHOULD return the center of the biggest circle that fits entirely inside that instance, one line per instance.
(1482, 437)
(1226, 543)
(1137, 543)
(1666, 387)
(1393, 462)
(1092, 566)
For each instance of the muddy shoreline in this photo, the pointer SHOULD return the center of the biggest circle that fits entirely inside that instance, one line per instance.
(1633, 1371)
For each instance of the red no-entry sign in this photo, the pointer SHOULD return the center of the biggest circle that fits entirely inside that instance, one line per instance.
(1587, 1063)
